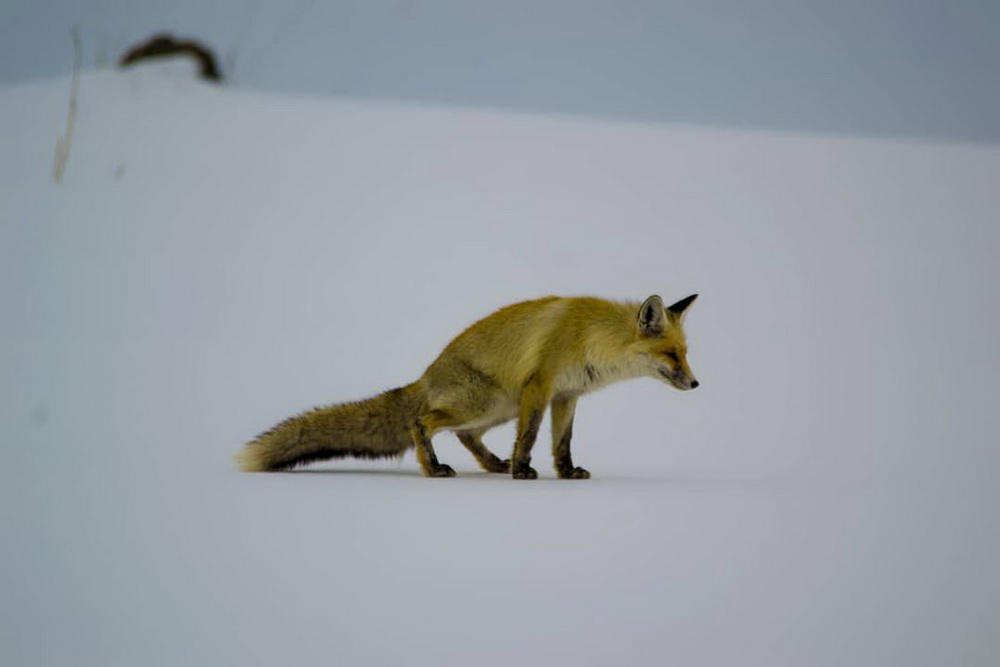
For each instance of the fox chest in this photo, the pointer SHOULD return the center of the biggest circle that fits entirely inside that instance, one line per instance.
(585, 378)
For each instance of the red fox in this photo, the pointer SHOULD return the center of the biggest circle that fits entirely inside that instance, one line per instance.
(511, 365)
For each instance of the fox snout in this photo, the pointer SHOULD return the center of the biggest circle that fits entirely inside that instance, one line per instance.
(687, 385)
(679, 380)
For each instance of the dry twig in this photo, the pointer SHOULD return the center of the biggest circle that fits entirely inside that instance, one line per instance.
(64, 142)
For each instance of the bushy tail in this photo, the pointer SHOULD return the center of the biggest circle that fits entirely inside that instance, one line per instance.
(371, 429)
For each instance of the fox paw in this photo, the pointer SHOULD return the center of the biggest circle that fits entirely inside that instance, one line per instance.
(574, 473)
(497, 465)
(525, 472)
(441, 470)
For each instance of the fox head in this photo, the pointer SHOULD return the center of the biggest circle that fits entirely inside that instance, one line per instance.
(660, 341)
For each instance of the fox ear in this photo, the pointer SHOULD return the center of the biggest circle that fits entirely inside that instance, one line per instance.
(679, 309)
(651, 316)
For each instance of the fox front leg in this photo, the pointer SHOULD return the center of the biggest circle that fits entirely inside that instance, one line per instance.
(527, 432)
(533, 404)
(563, 410)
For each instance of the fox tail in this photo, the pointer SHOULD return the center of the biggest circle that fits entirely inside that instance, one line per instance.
(376, 428)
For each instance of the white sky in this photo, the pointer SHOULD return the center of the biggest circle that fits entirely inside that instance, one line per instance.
(888, 67)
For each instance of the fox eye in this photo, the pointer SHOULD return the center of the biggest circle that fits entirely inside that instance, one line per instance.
(673, 356)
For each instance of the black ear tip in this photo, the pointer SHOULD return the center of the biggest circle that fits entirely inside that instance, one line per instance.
(683, 304)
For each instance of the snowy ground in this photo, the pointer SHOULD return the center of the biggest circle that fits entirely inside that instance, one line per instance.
(216, 260)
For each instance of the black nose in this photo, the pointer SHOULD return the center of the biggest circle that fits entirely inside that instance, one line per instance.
(694, 384)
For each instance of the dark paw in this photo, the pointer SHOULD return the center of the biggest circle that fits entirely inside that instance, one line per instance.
(525, 472)
(441, 470)
(574, 473)
(497, 465)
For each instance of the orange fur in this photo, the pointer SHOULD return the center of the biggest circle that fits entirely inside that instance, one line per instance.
(510, 365)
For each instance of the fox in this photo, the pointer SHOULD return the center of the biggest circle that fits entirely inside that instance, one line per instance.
(514, 364)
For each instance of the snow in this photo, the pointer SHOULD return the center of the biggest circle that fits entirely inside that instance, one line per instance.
(216, 260)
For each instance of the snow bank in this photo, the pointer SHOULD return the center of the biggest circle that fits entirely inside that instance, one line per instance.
(216, 260)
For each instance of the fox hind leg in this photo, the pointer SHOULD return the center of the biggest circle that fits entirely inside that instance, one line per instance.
(422, 431)
(462, 409)
(489, 461)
